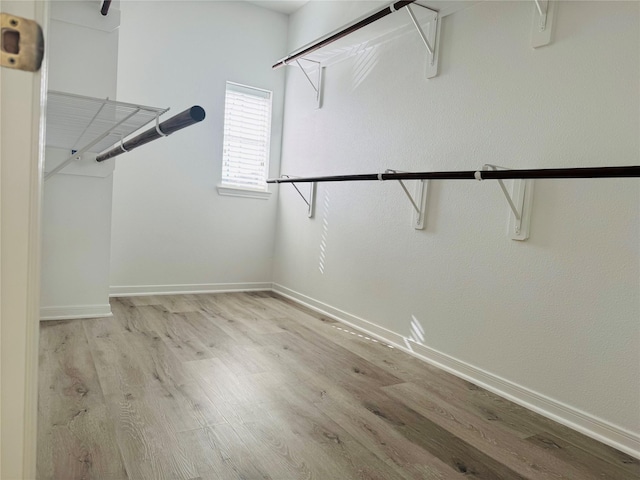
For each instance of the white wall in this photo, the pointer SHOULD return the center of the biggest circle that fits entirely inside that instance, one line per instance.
(171, 229)
(552, 322)
(76, 218)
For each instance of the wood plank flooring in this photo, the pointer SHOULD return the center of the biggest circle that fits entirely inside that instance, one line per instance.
(252, 386)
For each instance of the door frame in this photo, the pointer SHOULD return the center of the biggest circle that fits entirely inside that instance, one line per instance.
(20, 225)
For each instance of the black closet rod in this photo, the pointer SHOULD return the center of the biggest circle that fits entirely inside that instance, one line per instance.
(182, 120)
(582, 172)
(357, 25)
(105, 7)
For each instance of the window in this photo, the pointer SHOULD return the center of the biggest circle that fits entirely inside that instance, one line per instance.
(247, 130)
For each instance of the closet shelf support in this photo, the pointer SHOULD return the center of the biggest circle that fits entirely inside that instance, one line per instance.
(542, 6)
(520, 202)
(311, 201)
(543, 16)
(514, 209)
(429, 44)
(317, 87)
(419, 202)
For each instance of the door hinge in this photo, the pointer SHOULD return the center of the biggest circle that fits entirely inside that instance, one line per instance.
(21, 43)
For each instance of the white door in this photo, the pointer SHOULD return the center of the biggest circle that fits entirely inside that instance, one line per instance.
(21, 126)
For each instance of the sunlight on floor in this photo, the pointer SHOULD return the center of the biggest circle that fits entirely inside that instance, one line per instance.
(345, 330)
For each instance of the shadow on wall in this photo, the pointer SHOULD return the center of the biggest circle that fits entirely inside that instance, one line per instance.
(325, 231)
(364, 64)
(369, 52)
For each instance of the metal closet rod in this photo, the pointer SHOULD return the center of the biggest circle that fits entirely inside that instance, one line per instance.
(182, 120)
(582, 172)
(332, 37)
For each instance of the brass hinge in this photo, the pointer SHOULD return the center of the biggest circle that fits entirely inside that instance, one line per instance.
(21, 43)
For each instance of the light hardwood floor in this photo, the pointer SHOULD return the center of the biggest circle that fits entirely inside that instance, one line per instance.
(251, 386)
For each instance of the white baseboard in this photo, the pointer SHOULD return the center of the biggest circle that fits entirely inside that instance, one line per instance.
(583, 422)
(140, 290)
(69, 312)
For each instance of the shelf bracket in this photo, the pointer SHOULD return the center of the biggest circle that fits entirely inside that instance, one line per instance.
(542, 6)
(317, 86)
(418, 201)
(311, 200)
(543, 15)
(520, 201)
(431, 39)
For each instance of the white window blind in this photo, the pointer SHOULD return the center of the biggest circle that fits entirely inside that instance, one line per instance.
(247, 130)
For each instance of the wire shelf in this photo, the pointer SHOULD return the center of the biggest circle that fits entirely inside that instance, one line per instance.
(88, 124)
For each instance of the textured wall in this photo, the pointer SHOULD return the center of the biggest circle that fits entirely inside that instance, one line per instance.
(558, 314)
(170, 226)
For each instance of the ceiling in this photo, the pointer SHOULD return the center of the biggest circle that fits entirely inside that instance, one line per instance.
(282, 6)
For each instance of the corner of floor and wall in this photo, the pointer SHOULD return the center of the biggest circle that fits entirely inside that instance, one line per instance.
(551, 323)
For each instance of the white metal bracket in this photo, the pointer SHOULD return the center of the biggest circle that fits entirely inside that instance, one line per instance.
(418, 201)
(318, 85)
(311, 200)
(520, 201)
(543, 16)
(430, 38)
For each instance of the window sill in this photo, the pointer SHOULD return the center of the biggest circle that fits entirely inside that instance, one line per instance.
(243, 192)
